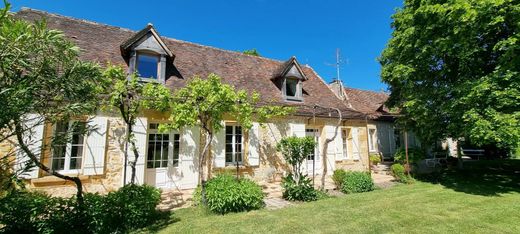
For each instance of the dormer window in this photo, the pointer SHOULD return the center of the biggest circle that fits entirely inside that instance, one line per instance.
(290, 80)
(293, 91)
(147, 55)
(147, 65)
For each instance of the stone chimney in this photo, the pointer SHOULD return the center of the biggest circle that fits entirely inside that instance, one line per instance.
(338, 89)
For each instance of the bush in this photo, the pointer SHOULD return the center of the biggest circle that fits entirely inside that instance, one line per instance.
(414, 155)
(224, 194)
(338, 177)
(375, 159)
(399, 172)
(357, 182)
(302, 191)
(129, 208)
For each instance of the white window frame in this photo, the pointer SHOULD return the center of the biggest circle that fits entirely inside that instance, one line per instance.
(170, 161)
(316, 136)
(234, 144)
(158, 67)
(345, 132)
(68, 151)
(298, 96)
(371, 140)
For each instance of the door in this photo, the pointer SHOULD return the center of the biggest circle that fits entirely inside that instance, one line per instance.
(313, 160)
(162, 158)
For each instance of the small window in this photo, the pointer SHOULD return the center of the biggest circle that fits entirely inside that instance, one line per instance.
(159, 150)
(314, 133)
(371, 139)
(233, 144)
(67, 150)
(344, 140)
(291, 88)
(147, 65)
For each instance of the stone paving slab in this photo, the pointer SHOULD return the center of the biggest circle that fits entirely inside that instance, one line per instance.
(276, 203)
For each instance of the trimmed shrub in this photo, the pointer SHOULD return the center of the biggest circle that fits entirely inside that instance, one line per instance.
(130, 207)
(399, 172)
(375, 159)
(414, 155)
(302, 191)
(224, 194)
(357, 182)
(338, 177)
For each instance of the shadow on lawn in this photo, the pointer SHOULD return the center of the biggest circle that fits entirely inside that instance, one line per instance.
(485, 178)
(162, 220)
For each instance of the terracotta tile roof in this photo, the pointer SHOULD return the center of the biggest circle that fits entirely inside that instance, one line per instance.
(101, 43)
(368, 102)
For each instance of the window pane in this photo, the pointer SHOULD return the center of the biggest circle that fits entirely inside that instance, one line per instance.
(229, 130)
(147, 66)
(290, 87)
(239, 157)
(229, 157)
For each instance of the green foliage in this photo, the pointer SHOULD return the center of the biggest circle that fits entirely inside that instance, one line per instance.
(253, 52)
(357, 182)
(399, 172)
(375, 159)
(453, 70)
(129, 208)
(297, 187)
(299, 190)
(414, 155)
(338, 177)
(224, 194)
(41, 73)
(295, 150)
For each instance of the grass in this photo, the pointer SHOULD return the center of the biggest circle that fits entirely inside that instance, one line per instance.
(484, 198)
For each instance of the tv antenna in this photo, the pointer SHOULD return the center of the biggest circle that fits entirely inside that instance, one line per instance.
(338, 63)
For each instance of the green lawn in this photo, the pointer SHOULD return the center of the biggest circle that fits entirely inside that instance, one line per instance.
(482, 199)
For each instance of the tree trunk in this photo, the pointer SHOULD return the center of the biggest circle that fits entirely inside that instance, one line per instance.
(326, 146)
(202, 161)
(460, 163)
(79, 194)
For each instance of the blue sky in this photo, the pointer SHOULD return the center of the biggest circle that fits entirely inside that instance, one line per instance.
(309, 30)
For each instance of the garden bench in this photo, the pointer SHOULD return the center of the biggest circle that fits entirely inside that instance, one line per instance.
(472, 153)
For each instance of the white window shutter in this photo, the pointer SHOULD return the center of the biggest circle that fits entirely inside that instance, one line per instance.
(253, 156)
(339, 145)
(219, 147)
(355, 143)
(140, 133)
(94, 163)
(297, 129)
(33, 138)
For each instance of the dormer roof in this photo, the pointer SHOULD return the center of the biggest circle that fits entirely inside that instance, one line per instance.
(291, 68)
(146, 39)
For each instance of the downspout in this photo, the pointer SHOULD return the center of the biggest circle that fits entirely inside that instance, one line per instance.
(368, 145)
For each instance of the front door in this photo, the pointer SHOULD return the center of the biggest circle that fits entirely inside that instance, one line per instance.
(162, 158)
(313, 160)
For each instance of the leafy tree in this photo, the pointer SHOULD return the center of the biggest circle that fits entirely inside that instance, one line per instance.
(204, 102)
(40, 73)
(452, 67)
(295, 150)
(253, 52)
(130, 97)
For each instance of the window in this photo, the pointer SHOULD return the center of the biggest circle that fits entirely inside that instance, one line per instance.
(344, 140)
(162, 147)
(314, 134)
(147, 65)
(233, 144)
(292, 89)
(371, 139)
(67, 149)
